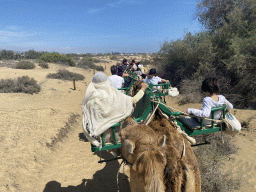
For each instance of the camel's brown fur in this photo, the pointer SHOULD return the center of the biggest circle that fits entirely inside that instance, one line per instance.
(158, 167)
(185, 174)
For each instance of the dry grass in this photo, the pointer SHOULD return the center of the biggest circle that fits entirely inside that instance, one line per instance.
(43, 64)
(210, 163)
(63, 132)
(8, 63)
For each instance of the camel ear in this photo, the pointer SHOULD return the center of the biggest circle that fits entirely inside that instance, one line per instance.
(162, 141)
(129, 145)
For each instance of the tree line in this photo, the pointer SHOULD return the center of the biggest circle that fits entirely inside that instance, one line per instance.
(226, 49)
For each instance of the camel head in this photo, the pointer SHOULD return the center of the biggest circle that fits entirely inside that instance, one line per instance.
(145, 151)
(137, 139)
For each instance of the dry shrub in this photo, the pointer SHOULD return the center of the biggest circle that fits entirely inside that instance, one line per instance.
(146, 62)
(43, 64)
(25, 65)
(23, 84)
(65, 75)
(210, 163)
(95, 60)
(191, 91)
(88, 63)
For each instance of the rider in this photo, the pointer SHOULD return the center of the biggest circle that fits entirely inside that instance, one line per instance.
(211, 89)
(152, 78)
(104, 106)
(116, 81)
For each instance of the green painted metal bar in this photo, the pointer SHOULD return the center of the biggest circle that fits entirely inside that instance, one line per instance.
(201, 123)
(106, 147)
(197, 132)
(114, 134)
(206, 130)
(164, 86)
(212, 122)
(124, 88)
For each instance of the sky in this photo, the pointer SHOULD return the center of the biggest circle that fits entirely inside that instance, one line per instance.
(94, 26)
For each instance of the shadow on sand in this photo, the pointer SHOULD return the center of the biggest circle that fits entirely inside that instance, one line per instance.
(103, 180)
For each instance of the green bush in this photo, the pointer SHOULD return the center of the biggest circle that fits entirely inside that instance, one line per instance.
(25, 65)
(65, 75)
(88, 63)
(23, 84)
(32, 54)
(58, 58)
(43, 64)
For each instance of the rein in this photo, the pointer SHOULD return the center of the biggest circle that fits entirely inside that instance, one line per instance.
(125, 162)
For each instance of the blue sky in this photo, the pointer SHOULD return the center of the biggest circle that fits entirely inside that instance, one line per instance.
(82, 26)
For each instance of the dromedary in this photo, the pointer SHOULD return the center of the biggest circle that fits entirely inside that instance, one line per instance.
(162, 159)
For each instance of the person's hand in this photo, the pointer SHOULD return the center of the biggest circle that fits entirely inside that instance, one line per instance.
(144, 86)
(186, 112)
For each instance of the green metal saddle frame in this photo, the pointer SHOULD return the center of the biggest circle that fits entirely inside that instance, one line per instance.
(146, 105)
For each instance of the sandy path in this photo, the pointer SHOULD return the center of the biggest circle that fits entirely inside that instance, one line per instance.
(76, 168)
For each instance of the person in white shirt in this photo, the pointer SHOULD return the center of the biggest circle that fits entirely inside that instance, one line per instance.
(116, 81)
(211, 89)
(152, 78)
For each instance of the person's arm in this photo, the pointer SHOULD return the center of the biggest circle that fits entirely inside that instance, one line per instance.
(123, 83)
(165, 81)
(204, 112)
(125, 75)
(229, 105)
(140, 94)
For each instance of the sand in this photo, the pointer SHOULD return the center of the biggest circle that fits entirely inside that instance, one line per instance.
(28, 122)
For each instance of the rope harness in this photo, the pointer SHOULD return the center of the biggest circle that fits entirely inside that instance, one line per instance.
(221, 121)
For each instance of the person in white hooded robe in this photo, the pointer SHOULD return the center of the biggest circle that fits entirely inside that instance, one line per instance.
(104, 106)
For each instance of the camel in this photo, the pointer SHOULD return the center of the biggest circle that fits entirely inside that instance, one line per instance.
(161, 157)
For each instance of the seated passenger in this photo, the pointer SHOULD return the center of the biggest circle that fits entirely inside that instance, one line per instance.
(125, 63)
(104, 106)
(211, 90)
(116, 81)
(138, 72)
(152, 78)
(120, 70)
(133, 65)
(143, 76)
(142, 68)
